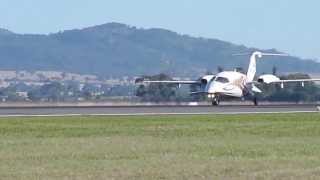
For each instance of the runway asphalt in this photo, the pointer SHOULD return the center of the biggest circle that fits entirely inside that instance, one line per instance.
(153, 110)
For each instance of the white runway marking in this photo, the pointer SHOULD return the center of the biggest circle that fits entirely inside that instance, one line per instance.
(152, 114)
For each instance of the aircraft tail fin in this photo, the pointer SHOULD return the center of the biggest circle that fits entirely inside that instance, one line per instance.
(253, 63)
(253, 66)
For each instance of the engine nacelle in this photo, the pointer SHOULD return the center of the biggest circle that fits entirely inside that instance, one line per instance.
(268, 78)
(206, 79)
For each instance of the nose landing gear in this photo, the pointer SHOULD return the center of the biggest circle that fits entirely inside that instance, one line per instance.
(215, 101)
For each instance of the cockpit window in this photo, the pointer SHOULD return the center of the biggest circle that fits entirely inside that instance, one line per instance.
(222, 79)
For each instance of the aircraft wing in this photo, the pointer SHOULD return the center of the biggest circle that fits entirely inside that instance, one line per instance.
(285, 81)
(173, 82)
(199, 93)
(296, 80)
(282, 82)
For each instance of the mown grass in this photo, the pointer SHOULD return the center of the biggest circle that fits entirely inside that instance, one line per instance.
(285, 146)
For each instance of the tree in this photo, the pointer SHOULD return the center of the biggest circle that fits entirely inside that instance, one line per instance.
(219, 69)
(53, 91)
(239, 69)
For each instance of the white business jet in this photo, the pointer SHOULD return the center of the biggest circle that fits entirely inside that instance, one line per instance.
(235, 84)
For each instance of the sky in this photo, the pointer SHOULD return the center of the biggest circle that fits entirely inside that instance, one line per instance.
(291, 26)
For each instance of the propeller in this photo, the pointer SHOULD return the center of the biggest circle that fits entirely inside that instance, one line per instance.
(253, 89)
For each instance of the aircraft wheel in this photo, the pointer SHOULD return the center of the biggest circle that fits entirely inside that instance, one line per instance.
(255, 101)
(215, 102)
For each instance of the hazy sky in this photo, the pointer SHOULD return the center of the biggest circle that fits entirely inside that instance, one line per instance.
(288, 25)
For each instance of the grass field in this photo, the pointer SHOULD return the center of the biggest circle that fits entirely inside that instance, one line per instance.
(285, 146)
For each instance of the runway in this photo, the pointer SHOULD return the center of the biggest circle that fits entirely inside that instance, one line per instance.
(153, 110)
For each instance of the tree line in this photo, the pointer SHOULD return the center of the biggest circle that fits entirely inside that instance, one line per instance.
(292, 92)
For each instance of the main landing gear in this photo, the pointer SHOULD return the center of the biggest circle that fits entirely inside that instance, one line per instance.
(255, 101)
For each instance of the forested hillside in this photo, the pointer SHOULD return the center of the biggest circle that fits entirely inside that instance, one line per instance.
(119, 50)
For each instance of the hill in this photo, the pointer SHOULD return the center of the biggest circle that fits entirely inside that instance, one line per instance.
(119, 50)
